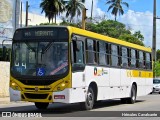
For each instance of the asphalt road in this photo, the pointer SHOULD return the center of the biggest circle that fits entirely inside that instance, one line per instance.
(147, 105)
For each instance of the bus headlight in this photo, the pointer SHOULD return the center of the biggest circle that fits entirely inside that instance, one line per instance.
(61, 86)
(14, 86)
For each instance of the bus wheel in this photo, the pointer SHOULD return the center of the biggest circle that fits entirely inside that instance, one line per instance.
(89, 102)
(124, 100)
(132, 99)
(41, 105)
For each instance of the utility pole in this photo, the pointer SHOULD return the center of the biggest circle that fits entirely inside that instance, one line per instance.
(15, 15)
(21, 16)
(91, 9)
(84, 18)
(27, 6)
(154, 36)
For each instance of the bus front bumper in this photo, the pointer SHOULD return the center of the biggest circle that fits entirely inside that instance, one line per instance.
(62, 96)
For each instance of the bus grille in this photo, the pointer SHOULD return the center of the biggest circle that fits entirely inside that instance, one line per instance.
(36, 96)
(33, 89)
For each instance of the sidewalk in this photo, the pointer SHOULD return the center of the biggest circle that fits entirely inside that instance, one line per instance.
(4, 100)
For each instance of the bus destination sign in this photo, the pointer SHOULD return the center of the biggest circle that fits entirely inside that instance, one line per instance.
(38, 34)
(41, 34)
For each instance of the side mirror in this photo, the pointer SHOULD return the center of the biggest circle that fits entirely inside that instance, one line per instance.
(4, 50)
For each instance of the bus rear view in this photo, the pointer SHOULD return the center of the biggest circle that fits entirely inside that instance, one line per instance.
(39, 65)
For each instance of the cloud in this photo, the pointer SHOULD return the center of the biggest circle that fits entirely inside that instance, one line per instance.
(142, 21)
(96, 10)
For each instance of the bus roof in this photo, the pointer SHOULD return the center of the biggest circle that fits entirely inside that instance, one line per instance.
(107, 39)
(90, 34)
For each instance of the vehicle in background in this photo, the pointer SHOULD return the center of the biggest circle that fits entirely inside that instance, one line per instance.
(156, 85)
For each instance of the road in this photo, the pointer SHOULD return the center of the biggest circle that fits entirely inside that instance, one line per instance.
(109, 108)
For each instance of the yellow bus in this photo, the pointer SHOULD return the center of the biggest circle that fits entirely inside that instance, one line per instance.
(65, 64)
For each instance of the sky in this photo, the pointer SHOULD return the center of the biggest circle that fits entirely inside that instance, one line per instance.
(138, 17)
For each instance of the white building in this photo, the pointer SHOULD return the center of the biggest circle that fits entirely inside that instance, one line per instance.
(35, 19)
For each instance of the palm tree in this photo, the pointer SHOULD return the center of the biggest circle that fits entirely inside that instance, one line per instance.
(52, 8)
(116, 6)
(74, 7)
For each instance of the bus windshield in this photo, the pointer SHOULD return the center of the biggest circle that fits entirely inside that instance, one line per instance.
(39, 58)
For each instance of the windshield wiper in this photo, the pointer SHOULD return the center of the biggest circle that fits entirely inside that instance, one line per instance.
(47, 47)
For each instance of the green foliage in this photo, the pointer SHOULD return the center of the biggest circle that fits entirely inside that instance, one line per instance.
(52, 8)
(138, 35)
(158, 55)
(116, 30)
(156, 70)
(131, 39)
(109, 28)
(73, 8)
(48, 24)
(116, 6)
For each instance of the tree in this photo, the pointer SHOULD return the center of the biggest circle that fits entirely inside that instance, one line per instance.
(158, 55)
(73, 8)
(116, 6)
(156, 70)
(138, 35)
(131, 39)
(52, 8)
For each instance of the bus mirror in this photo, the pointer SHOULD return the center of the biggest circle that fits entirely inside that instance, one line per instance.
(4, 50)
(78, 45)
(74, 38)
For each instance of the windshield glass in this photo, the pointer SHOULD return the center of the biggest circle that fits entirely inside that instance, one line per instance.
(39, 58)
(156, 81)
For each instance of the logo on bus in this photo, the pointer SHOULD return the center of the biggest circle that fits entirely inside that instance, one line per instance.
(99, 71)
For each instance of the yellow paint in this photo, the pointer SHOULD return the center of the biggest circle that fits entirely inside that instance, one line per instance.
(106, 38)
(140, 73)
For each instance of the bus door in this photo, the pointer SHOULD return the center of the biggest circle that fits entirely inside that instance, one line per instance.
(78, 74)
(115, 72)
(78, 64)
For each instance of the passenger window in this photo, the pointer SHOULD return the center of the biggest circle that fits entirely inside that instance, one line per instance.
(102, 53)
(141, 60)
(114, 55)
(91, 51)
(124, 57)
(148, 61)
(133, 58)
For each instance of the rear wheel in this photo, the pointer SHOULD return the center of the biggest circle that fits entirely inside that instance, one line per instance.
(132, 99)
(124, 100)
(89, 102)
(41, 105)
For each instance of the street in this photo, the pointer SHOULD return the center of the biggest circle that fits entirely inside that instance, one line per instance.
(145, 104)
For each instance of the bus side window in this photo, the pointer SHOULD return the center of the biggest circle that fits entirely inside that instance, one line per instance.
(148, 61)
(141, 60)
(101, 53)
(114, 55)
(124, 57)
(133, 58)
(137, 59)
(91, 51)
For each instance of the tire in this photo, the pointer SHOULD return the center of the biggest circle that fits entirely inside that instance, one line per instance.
(89, 102)
(124, 100)
(132, 99)
(41, 105)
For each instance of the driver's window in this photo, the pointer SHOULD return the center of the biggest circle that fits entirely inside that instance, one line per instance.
(78, 52)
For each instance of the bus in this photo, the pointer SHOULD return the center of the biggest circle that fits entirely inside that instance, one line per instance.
(64, 64)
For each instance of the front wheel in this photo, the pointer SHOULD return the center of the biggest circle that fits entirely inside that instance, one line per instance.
(132, 99)
(89, 102)
(41, 105)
